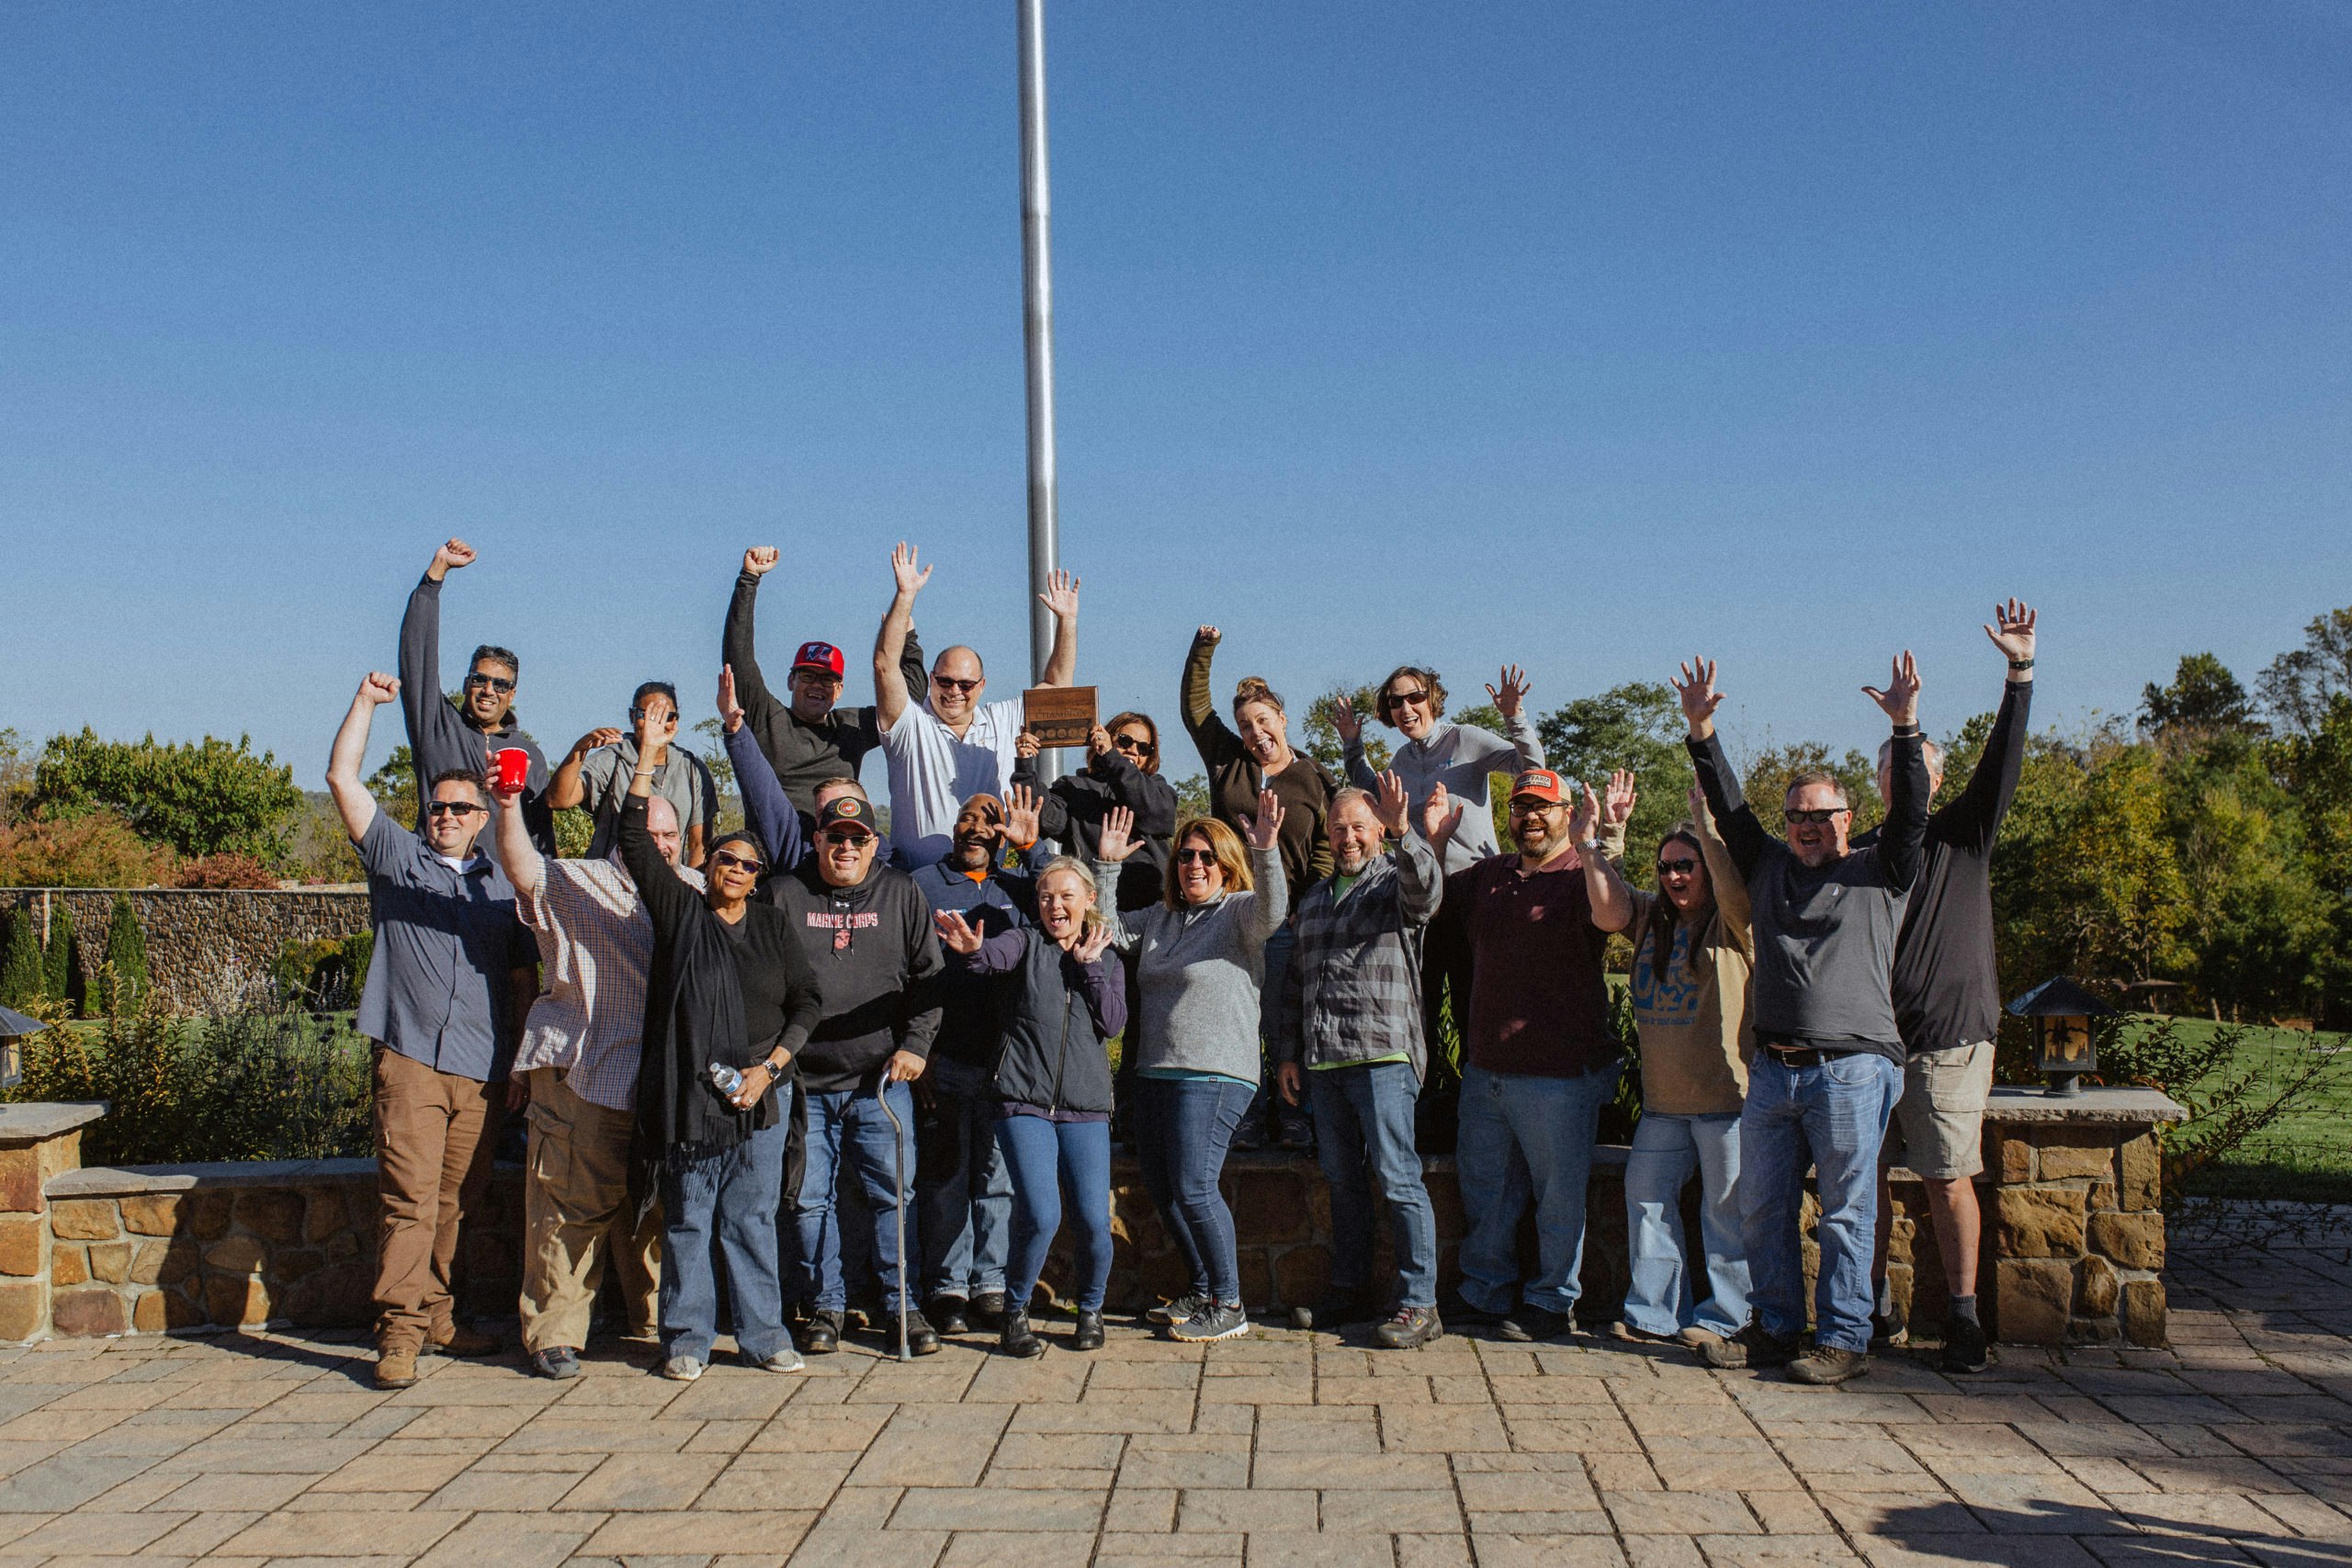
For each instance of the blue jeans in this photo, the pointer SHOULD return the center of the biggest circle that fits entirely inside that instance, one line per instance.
(1526, 1137)
(1184, 1127)
(1667, 1149)
(848, 1136)
(964, 1196)
(1057, 1168)
(1831, 1117)
(733, 1195)
(1363, 1122)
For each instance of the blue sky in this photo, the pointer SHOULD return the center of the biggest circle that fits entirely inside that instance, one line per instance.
(1584, 336)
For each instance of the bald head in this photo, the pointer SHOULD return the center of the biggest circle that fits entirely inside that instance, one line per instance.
(662, 822)
(956, 681)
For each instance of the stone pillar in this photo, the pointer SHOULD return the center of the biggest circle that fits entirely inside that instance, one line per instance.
(39, 1142)
(2075, 1224)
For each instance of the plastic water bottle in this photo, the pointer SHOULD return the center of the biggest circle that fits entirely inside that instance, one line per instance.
(726, 1079)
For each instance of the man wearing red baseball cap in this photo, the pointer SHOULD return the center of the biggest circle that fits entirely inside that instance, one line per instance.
(808, 739)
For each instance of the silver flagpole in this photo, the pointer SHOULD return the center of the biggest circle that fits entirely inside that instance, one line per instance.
(1037, 345)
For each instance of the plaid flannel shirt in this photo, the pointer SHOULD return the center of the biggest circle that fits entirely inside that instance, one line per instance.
(1354, 991)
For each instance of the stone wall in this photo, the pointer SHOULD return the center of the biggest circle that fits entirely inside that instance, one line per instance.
(38, 1144)
(198, 938)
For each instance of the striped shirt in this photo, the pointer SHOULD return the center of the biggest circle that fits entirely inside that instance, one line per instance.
(595, 944)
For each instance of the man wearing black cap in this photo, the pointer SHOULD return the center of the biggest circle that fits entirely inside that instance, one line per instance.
(807, 739)
(869, 934)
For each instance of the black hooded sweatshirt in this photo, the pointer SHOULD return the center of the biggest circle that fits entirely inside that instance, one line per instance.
(877, 958)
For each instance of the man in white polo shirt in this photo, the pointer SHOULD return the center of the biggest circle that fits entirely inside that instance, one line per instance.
(951, 746)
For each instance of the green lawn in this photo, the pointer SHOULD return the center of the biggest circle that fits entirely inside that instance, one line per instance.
(2306, 1153)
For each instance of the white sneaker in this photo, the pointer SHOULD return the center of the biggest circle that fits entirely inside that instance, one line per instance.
(785, 1360)
(682, 1369)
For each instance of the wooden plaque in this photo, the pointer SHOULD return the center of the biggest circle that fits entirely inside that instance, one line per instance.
(1059, 716)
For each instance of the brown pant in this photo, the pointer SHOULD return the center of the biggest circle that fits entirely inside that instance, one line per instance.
(576, 1212)
(433, 1135)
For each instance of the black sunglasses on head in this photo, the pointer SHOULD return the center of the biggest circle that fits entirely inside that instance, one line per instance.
(498, 683)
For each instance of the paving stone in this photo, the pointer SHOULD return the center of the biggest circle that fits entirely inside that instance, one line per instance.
(1019, 1549)
(829, 1546)
(1327, 1549)
(1549, 1551)
(1357, 1511)
(1217, 1509)
(1344, 1471)
(644, 1481)
(994, 1509)
(1669, 1513)
(701, 1530)
(349, 1532)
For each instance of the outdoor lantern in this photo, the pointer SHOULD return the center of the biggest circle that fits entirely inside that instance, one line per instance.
(13, 1026)
(2062, 1014)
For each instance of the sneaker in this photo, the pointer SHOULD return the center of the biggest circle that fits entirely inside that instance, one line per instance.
(1696, 1336)
(557, 1362)
(1889, 1332)
(1965, 1349)
(1826, 1365)
(1089, 1333)
(462, 1341)
(785, 1360)
(1336, 1309)
(1017, 1338)
(396, 1369)
(1171, 1313)
(1459, 1312)
(682, 1369)
(1525, 1324)
(1410, 1328)
(824, 1334)
(1634, 1334)
(946, 1314)
(1298, 1137)
(921, 1338)
(1751, 1347)
(1221, 1320)
(986, 1311)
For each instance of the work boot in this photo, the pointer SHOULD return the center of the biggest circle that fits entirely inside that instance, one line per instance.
(1964, 1348)
(921, 1338)
(1017, 1338)
(1410, 1328)
(1826, 1364)
(946, 1314)
(1526, 1324)
(823, 1334)
(987, 1311)
(1090, 1335)
(395, 1368)
(1751, 1348)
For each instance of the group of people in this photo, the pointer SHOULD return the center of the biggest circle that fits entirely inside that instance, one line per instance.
(847, 1069)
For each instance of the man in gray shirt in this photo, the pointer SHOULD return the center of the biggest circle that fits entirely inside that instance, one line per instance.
(453, 974)
(597, 773)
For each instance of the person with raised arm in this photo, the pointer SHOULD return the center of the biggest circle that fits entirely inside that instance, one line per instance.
(451, 979)
(1122, 768)
(1948, 995)
(1049, 1091)
(1693, 953)
(594, 775)
(445, 737)
(942, 751)
(805, 734)
(1827, 1067)
(1199, 962)
(1250, 756)
(1349, 1032)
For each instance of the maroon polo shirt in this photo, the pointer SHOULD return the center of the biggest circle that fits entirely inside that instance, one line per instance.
(1539, 1004)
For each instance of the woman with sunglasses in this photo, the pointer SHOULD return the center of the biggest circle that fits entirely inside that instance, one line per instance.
(1200, 961)
(1121, 770)
(1692, 951)
(729, 1002)
(1062, 1002)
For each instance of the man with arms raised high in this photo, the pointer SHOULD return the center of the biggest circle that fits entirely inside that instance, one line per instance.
(445, 738)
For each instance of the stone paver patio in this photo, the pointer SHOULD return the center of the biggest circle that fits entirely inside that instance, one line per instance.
(2234, 1446)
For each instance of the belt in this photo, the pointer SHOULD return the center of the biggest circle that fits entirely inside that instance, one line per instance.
(1812, 1057)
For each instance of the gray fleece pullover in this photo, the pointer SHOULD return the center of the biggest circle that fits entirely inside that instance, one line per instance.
(1198, 970)
(1461, 756)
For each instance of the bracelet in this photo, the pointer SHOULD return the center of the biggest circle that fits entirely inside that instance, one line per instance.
(645, 772)
(1904, 731)
(2021, 664)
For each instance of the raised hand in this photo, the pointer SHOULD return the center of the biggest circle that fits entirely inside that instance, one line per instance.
(1696, 691)
(376, 688)
(452, 555)
(2012, 631)
(1441, 814)
(653, 739)
(1098, 741)
(606, 736)
(1900, 700)
(902, 569)
(1617, 801)
(1091, 940)
(1025, 744)
(1209, 634)
(1020, 827)
(1060, 595)
(1390, 805)
(1584, 823)
(1113, 843)
(1344, 720)
(955, 933)
(1512, 691)
(760, 560)
(1265, 829)
(730, 712)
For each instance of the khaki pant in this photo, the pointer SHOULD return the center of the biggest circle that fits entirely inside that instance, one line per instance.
(576, 1210)
(433, 1135)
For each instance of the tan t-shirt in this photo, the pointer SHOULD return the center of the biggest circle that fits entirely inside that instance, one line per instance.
(1691, 1004)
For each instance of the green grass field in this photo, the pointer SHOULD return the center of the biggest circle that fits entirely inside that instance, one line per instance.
(2306, 1153)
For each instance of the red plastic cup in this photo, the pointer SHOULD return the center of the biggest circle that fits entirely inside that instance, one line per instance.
(514, 769)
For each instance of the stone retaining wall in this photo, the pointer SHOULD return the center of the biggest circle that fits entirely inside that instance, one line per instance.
(200, 939)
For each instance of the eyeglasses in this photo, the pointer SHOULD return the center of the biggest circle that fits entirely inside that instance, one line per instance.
(726, 862)
(1138, 747)
(452, 808)
(1816, 818)
(1398, 699)
(952, 684)
(1525, 807)
(1677, 867)
(498, 683)
(822, 677)
(1195, 857)
(844, 836)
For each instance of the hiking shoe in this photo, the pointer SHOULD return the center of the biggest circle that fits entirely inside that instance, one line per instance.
(921, 1338)
(557, 1362)
(461, 1341)
(1336, 1309)
(1410, 1328)
(1525, 1324)
(785, 1360)
(1171, 1313)
(1089, 1333)
(396, 1369)
(1751, 1347)
(946, 1314)
(1017, 1338)
(986, 1311)
(1826, 1364)
(682, 1369)
(1221, 1320)
(1965, 1349)
(1696, 1336)
(824, 1333)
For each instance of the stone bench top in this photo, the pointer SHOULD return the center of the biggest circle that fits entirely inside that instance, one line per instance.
(34, 1121)
(2121, 1105)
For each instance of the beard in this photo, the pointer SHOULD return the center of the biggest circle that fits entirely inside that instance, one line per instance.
(1352, 862)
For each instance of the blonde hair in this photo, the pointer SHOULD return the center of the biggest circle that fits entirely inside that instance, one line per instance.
(1085, 875)
(1253, 689)
(1223, 842)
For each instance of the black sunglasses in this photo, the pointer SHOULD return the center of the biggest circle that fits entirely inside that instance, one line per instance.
(727, 861)
(1677, 867)
(952, 684)
(1129, 743)
(1817, 818)
(452, 808)
(1196, 857)
(498, 683)
(843, 835)
(1398, 699)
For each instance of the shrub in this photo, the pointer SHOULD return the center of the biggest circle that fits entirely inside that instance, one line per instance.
(574, 831)
(222, 871)
(126, 950)
(24, 978)
(201, 798)
(95, 851)
(326, 975)
(57, 958)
